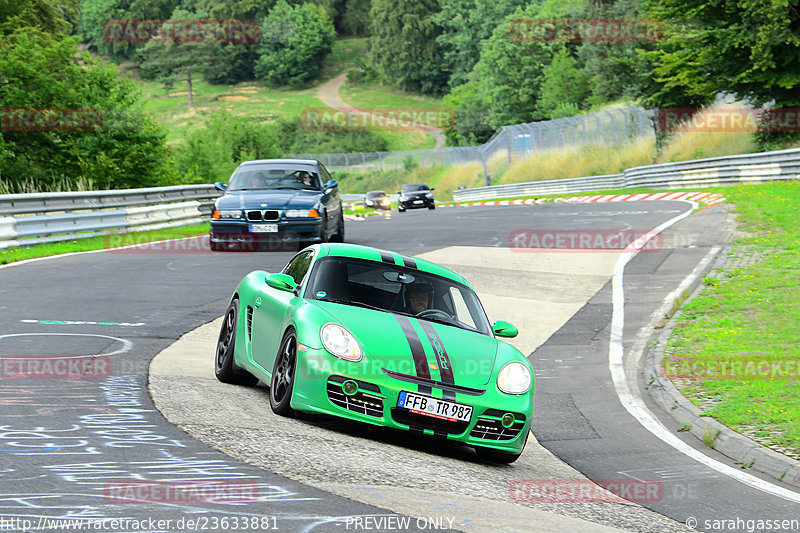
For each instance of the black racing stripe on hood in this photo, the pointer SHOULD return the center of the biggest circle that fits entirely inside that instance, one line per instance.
(442, 359)
(386, 257)
(408, 262)
(417, 351)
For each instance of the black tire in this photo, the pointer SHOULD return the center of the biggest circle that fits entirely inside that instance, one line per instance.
(225, 368)
(283, 374)
(431, 206)
(401, 209)
(494, 456)
(339, 235)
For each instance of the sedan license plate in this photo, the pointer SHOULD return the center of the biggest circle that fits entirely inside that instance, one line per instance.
(417, 201)
(425, 405)
(263, 228)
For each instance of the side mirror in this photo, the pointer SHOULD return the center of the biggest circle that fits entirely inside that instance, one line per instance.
(282, 282)
(331, 184)
(433, 188)
(504, 329)
(220, 186)
(398, 192)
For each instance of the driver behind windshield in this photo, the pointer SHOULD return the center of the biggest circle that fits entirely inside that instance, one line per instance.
(419, 296)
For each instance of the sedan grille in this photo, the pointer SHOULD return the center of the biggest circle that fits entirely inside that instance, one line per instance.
(360, 402)
(269, 215)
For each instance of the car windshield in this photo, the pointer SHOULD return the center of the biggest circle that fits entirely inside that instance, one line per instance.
(415, 187)
(274, 177)
(375, 194)
(396, 289)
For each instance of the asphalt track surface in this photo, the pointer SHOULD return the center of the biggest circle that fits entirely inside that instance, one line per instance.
(64, 442)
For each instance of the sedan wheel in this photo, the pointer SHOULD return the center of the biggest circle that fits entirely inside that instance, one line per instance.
(280, 388)
(225, 368)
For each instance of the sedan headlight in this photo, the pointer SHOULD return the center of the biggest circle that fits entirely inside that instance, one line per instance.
(302, 213)
(514, 378)
(340, 342)
(228, 213)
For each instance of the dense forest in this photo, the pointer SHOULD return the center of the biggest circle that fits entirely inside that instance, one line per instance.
(493, 63)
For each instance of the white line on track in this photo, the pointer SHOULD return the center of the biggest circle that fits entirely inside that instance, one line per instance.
(630, 397)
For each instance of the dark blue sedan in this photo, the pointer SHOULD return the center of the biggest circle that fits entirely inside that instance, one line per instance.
(277, 201)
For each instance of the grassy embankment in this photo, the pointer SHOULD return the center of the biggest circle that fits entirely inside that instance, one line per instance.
(749, 315)
(255, 101)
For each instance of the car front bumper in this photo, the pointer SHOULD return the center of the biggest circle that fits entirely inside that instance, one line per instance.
(412, 203)
(318, 388)
(239, 233)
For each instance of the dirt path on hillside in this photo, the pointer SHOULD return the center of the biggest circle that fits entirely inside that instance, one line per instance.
(328, 93)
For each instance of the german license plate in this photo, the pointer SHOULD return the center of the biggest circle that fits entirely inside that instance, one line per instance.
(417, 201)
(434, 407)
(263, 228)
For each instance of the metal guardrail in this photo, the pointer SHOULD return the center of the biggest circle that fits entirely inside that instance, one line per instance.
(27, 219)
(716, 171)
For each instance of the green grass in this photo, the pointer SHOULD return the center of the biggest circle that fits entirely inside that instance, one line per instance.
(251, 101)
(343, 56)
(373, 96)
(99, 243)
(751, 313)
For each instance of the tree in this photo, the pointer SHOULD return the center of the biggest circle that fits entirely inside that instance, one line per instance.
(170, 60)
(240, 57)
(210, 154)
(616, 69)
(514, 68)
(747, 47)
(403, 42)
(50, 16)
(564, 83)
(465, 24)
(99, 133)
(293, 43)
(94, 15)
(354, 19)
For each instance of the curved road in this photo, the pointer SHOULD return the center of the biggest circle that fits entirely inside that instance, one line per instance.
(67, 444)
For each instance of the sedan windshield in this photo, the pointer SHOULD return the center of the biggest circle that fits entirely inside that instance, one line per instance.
(396, 289)
(415, 187)
(272, 177)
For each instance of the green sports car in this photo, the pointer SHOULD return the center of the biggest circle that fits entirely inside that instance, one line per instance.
(381, 338)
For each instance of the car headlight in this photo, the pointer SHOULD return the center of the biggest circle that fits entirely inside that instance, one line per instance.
(429, 194)
(228, 213)
(340, 342)
(385, 201)
(514, 378)
(302, 213)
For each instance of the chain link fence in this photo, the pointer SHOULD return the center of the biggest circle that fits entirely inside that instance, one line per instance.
(610, 127)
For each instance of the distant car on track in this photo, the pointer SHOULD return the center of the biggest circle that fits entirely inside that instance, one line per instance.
(377, 200)
(373, 336)
(277, 200)
(415, 195)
